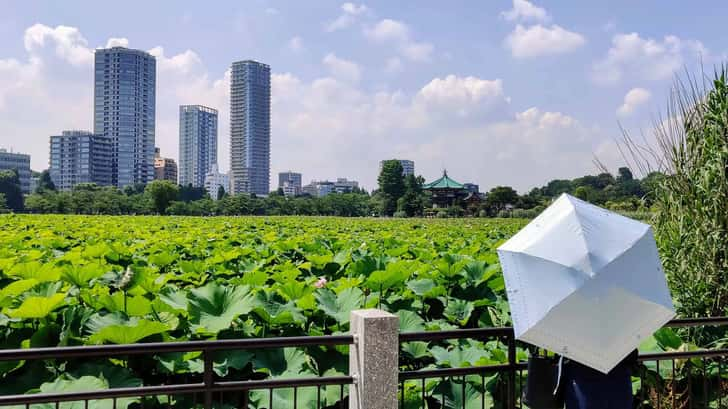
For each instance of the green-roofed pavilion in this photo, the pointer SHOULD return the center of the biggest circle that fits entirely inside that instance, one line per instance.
(444, 183)
(445, 191)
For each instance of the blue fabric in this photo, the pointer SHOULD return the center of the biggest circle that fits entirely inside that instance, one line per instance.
(585, 388)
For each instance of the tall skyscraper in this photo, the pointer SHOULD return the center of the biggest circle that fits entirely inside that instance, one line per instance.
(250, 128)
(19, 162)
(80, 157)
(124, 109)
(197, 143)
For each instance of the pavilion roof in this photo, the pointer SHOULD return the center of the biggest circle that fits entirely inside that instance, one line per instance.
(444, 183)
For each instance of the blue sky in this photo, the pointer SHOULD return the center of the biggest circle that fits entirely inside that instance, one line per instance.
(497, 92)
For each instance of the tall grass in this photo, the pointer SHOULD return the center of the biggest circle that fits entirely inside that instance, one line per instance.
(690, 145)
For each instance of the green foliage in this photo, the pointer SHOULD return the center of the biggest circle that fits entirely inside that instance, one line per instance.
(45, 183)
(10, 188)
(163, 192)
(692, 202)
(391, 185)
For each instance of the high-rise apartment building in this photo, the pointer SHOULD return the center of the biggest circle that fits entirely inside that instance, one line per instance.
(80, 157)
(408, 166)
(290, 182)
(124, 110)
(250, 127)
(197, 143)
(19, 162)
(164, 168)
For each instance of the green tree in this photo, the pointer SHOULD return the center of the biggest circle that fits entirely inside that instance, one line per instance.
(624, 174)
(10, 188)
(3, 205)
(45, 182)
(221, 192)
(391, 185)
(412, 201)
(582, 192)
(499, 197)
(162, 193)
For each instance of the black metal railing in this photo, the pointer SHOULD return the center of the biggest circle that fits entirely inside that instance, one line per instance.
(208, 393)
(676, 379)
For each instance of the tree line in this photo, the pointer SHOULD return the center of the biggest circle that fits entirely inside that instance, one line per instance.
(397, 195)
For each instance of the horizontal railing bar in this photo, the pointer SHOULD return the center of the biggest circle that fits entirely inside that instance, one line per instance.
(669, 355)
(229, 386)
(469, 370)
(169, 347)
(177, 389)
(456, 334)
(693, 322)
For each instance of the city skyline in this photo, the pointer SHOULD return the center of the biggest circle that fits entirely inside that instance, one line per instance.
(486, 92)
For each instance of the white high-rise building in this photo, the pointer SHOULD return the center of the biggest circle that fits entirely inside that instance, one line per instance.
(214, 179)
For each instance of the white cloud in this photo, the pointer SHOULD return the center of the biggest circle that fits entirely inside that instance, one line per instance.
(537, 40)
(186, 62)
(67, 42)
(635, 98)
(646, 58)
(461, 94)
(388, 30)
(525, 11)
(349, 16)
(353, 9)
(295, 44)
(341, 68)
(117, 42)
(398, 33)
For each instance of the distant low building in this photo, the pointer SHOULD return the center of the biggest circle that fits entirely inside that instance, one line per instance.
(164, 168)
(80, 157)
(408, 166)
(345, 186)
(290, 183)
(319, 188)
(19, 162)
(214, 179)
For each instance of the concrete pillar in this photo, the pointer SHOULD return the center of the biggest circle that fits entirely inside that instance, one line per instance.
(374, 360)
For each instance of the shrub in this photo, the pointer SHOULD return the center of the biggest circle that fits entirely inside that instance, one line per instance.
(400, 214)
(504, 214)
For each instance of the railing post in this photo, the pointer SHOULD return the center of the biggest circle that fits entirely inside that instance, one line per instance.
(512, 363)
(374, 359)
(207, 377)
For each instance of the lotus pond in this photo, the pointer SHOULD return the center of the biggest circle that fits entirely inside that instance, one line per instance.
(75, 280)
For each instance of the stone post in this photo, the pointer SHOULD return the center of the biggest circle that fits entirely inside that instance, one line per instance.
(374, 360)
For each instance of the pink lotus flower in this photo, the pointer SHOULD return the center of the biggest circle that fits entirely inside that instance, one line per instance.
(321, 283)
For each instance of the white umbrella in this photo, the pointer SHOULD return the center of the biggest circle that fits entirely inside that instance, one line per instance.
(585, 283)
